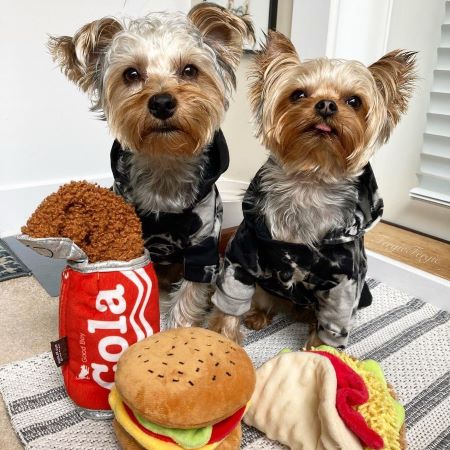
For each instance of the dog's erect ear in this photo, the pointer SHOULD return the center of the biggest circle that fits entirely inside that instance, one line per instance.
(277, 45)
(395, 76)
(277, 55)
(223, 31)
(80, 56)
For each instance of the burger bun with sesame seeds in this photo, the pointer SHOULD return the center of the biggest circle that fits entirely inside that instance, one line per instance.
(182, 388)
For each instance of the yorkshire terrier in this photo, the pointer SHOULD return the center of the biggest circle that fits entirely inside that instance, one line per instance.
(163, 84)
(308, 207)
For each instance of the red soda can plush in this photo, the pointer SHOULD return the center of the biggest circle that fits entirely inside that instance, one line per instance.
(104, 308)
(109, 292)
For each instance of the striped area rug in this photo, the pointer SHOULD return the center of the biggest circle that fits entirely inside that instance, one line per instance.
(409, 337)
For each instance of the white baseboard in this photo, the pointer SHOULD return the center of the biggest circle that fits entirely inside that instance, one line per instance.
(17, 202)
(416, 282)
(231, 192)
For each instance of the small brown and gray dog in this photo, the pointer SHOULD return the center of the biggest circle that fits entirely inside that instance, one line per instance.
(163, 83)
(308, 207)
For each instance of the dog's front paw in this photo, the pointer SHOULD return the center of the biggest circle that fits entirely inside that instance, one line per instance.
(177, 321)
(257, 319)
(187, 304)
(225, 324)
(313, 339)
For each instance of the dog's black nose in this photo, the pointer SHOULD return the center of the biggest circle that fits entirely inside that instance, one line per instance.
(326, 108)
(162, 106)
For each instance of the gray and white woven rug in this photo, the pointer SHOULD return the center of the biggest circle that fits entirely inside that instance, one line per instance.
(409, 337)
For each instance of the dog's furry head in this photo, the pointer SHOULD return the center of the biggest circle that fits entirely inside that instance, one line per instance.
(326, 117)
(162, 82)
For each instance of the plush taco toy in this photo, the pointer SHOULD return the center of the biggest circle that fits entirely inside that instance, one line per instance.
(324, 400)
(185, 388)
(383, 413)
(109, 291)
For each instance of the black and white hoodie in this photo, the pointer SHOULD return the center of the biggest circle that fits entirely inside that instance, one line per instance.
(329, 277)
(192, 236)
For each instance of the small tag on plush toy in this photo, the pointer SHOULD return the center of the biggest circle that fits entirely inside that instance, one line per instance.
(60, 351)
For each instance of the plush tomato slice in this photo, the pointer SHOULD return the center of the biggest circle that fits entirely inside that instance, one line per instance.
(222, 429)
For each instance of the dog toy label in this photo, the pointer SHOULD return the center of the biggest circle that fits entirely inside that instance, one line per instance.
(102, 313)
(59, 351)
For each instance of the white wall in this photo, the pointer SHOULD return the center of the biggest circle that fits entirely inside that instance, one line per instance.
(358, 29)
(246, 154)
(310, 27)
(365, 30)
(47, 134)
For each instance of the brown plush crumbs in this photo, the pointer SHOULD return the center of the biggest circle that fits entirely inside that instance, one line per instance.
(100, 222)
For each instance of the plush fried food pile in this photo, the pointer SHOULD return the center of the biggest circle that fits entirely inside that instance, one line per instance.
(100, 222)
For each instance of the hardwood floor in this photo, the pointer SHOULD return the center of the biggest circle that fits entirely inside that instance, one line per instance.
(425, 253)
(225, 236)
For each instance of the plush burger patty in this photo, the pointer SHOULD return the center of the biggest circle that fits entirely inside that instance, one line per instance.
(183, 379)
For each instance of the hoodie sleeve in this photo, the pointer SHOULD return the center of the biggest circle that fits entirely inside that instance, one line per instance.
(236, 284)
(201, 257)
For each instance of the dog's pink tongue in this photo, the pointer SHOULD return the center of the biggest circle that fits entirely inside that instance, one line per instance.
(323, 127)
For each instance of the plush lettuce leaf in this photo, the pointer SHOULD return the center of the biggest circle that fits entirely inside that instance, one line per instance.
(189, 439)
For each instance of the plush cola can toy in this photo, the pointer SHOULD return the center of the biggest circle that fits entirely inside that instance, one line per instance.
(109, 291)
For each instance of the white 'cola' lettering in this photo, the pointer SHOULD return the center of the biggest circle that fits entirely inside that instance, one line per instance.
(114, 301)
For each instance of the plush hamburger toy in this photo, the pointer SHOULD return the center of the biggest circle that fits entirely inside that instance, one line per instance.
(185, 388)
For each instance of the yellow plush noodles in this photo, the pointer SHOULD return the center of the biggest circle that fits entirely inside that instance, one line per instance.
(382, 412)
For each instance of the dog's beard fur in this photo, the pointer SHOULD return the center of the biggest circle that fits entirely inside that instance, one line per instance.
(303, 148)
(153, 186)
(299, 208)
(289, 128)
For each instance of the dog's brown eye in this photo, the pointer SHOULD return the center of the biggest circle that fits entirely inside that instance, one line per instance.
(297, 95)
(131, 75)
(190, 71)
(354, 101)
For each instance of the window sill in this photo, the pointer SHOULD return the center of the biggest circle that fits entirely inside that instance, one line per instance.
(430, 196)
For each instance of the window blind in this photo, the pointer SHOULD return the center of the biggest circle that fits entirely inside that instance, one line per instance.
(434, 172)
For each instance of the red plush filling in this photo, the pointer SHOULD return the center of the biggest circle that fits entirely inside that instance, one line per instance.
(219, 432)
(222, 429)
